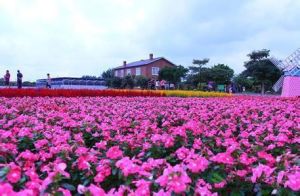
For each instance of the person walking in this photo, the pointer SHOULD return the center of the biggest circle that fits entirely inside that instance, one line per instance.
(48, 82)
(19, 79)
(7, 78)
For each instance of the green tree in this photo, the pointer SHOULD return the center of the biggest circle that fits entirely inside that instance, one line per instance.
(221, 74)
(261, 69)
(173, 74)
(199, 65)
(141, 81)
(243, 81)
(109, 77)
(116, 82)
(128, 82)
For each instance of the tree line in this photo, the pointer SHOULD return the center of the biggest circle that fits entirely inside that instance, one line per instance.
(259, 75)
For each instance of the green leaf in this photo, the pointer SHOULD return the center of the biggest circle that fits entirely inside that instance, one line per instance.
(68, 186)
(216, 177)
(4, 171)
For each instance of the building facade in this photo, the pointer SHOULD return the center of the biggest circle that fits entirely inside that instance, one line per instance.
(148, 68)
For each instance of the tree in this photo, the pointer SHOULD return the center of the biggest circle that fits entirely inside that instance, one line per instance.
(110, 79)
(221, 74)
(243, 81)
(141, 81)
(261, 69)
(173, 74)
(199, 65)
(127, 82)
(115, 82)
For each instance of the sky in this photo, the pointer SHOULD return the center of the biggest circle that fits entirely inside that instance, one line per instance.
(87, 37)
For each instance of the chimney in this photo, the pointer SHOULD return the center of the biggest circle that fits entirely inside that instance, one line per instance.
(124, 63)
(150, 56)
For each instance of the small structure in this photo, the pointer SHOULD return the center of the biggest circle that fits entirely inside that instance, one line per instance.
(290, 80)
(73, 83)
(148, 68)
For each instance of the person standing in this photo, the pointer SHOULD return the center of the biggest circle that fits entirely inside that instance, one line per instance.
(19, 79)
(7, 78)
(48, 82)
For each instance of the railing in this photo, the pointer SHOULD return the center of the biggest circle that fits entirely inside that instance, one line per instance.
(277, 86)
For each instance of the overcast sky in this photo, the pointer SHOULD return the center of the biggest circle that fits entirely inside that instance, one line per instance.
(86, 37)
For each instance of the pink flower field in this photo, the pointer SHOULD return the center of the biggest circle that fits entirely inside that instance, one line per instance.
(149, 146)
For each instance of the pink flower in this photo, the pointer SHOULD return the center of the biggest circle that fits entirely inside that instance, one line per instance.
(101, 145)
(83, 163)
(81, 189)
(293, 181)
(14, 174)
(174, 178)
(127, 166)
(259, 170)
(197, 165)
(220, 184)
(241, 173)
(65, 192)
(114, 152)
(224, 158)
(103, 172)
(266, 156)
(6, 189)
(280, 177)
(96, 191)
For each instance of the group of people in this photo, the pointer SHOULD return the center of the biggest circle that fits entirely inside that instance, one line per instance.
(19, 78)
(160, 85)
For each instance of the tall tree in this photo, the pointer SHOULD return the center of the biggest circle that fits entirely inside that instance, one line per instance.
(109, 78)
(261, 69)
(199, 64)
(221, 74)
(173, 74)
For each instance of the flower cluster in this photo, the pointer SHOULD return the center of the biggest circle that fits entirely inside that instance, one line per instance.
(149, 146)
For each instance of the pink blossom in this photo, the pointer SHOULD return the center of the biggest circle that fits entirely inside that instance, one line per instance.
(14, 174)
(197, 165)
(259, 170)
(114, 152)
(174, 178)
(224, 158)
(6, 189)
(293, 181)
(96, 191)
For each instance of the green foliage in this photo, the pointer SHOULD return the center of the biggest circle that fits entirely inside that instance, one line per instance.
(261, 69)
(199, 64)
(25, 143)
(141, 81)
(116, 82)
(127, 82)
(221, 74)
(173, 74)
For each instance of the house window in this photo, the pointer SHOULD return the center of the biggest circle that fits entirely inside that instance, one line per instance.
(138, 71)
(155, 71)
(128, 72)
(121, 73)
(116, 73)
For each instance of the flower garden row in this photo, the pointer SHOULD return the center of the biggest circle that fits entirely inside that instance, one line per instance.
(149, 146)
(34, 92)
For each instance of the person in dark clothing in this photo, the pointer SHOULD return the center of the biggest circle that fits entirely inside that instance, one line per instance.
(7, 78)
(19, 79)
(48, 82)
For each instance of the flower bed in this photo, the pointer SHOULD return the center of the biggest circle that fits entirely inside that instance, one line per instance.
(143, 146)
(35, 92)
(182, 93)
